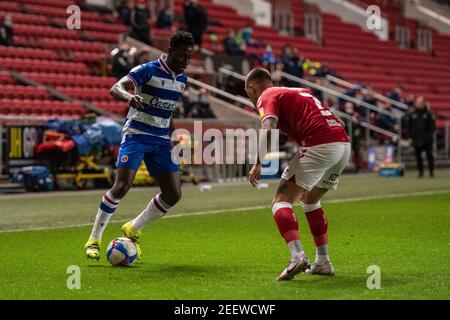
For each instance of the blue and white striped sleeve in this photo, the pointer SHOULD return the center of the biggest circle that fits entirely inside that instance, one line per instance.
(140, 74)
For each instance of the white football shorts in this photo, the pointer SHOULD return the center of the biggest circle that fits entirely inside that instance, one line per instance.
(319, 165)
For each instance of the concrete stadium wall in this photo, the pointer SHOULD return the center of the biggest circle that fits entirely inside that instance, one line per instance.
(259, 10)
(433, 14)
(351, 13)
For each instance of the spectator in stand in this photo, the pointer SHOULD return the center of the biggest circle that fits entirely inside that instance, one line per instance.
(185, 103)
(349, 108)
(316, 92)
(213, 39)
(409, 101)
(421, 128)
(298, 60)
(277, 77)
(235, 87)
(363, 112)
(143, 57)
(138, 20)
(351, 92)
(6, 31)
(165, 18)
(292, 64)
(396, 93)
(369, 97)
(123, 11)
(312, 68)
(200, 108)
(268, 59)
(231, 46)
(196, 20)
(386, 121)
(245, 36)
(324, 69)
(121, 65)
(356, 133)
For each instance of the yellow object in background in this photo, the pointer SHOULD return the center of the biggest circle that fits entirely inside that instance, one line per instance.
(143, 178)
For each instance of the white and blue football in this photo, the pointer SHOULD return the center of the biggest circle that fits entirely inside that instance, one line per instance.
(121, 252)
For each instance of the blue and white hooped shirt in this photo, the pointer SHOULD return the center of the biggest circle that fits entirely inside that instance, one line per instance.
(161, 89)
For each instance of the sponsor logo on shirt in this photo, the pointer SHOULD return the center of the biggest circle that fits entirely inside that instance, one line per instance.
(162, 104)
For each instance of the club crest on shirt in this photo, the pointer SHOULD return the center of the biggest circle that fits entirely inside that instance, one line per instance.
(124, 158)
(261, 112)
(163, 82)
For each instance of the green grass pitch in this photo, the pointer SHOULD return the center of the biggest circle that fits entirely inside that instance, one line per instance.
(235, 255)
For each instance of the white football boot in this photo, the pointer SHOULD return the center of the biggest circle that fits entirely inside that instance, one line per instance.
(294, 267)
(325, 269)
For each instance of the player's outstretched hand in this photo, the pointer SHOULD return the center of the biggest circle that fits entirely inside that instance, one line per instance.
(136, 102)
(254, 174)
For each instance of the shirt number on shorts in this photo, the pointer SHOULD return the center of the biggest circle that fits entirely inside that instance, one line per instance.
(318, 104)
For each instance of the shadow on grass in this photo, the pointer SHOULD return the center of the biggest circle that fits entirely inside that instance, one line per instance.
(344, 282)
(184, 270)
(103, 265)
(166, 270)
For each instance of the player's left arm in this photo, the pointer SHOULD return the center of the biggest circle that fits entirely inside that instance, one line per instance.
(269, 124)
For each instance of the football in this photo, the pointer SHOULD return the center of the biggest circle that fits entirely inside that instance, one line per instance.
(121, 252)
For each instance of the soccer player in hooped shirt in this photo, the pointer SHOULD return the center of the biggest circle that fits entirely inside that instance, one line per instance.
(324, 153)
(158, 85)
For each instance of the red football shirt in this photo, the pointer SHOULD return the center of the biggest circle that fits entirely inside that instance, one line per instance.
(301, 116)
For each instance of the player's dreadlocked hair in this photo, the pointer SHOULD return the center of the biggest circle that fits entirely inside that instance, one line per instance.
(258, 75)
(181, 38)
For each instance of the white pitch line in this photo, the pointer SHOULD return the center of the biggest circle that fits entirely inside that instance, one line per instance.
(389, 196)
(201, 213)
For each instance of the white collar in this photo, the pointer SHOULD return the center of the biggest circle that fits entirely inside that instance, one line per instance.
(165, 67)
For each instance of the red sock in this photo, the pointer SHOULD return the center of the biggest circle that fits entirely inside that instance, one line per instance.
(286, 221)
(318, 225)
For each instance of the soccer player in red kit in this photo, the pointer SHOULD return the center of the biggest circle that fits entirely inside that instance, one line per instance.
(324, 152)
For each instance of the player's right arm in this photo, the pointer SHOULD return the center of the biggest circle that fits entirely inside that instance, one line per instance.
(120, 92)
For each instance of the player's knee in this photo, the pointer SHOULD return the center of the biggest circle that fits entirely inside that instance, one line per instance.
(176, 196)
(282, 198)
(277, 205)
(306, 198)
(120, 189)
(274, 200)
(310, 206)
(173, 198)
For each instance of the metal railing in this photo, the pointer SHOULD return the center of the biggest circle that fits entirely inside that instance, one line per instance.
(321, 88)
(220, 92)
(379, 96)
(395, 136)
